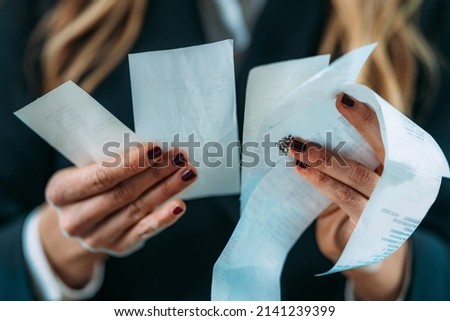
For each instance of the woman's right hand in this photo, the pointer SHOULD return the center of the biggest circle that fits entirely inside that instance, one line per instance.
(111, 210)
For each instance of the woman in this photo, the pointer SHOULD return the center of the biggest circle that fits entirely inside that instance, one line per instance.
(116, 209)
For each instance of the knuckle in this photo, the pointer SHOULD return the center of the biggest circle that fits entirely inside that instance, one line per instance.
(53, 191)
(93, 242)
(53, 194)
(360, 175)
(321, 179)
(134, 165)
(68, 225)
(150, 228)
(100, 179)
(346, 195)
(122, 193)
(368, 116)
(137, 209)
(155, 173)
(166, 189)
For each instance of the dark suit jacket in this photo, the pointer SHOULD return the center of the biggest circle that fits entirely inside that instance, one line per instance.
(177, 264)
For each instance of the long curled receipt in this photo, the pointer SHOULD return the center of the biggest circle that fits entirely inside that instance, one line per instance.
(278, 205)
(176, 93)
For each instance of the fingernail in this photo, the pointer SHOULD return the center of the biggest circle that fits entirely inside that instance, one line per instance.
(298, 146)
(188, 175)
(348, 101)
(177, 210)
(179, 160)
(301, 164)
(154, 153)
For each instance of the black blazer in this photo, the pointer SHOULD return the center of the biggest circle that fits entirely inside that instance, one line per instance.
(177, 264)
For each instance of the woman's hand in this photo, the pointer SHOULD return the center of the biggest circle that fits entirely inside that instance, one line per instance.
(110, 209)
(349, 185)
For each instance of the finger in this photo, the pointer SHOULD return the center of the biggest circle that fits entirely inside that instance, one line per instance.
(162, 192)
(349, 200)
(80, 217)
(149, 226)
(347, 171)
(364, 120)
(74, 184)
(113, 227)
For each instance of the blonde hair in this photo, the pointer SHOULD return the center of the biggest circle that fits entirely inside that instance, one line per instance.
(393, 68)
(84, 40)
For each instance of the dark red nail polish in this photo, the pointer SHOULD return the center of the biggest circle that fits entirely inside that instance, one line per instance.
(188, 175)
(177, 210)
(179, 160)
(154, 153)
(348, 101)
(298, 146)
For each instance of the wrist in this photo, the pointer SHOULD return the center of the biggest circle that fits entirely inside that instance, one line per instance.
(73, 264)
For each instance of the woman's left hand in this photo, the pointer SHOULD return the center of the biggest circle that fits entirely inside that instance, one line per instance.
(349, 185)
